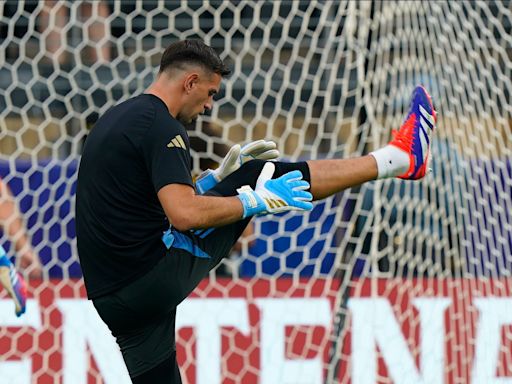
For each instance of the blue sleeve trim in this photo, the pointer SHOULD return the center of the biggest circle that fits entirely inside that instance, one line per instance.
(206, 233)
(179, 240)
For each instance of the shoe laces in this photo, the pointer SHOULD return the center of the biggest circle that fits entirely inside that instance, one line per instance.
(403, 137)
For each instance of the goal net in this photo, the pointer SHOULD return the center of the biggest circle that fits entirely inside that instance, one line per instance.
(390, 282)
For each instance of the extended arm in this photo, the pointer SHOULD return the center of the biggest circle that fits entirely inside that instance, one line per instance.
(186, 210)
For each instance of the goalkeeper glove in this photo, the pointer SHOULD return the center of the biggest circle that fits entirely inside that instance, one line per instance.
(286, 193)
(236, 157)
(13, 283)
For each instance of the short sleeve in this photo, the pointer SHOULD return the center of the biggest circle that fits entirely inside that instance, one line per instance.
(165, 148)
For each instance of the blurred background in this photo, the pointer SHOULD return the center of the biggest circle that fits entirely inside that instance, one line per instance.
(324, 79)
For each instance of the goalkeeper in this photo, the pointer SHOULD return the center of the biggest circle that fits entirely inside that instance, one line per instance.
(147, 236)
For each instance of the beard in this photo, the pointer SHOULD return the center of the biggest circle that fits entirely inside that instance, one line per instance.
(186, 120)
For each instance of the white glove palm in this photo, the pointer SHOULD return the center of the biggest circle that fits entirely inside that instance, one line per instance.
(235, 158)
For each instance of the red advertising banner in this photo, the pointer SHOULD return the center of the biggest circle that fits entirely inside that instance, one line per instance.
(280, 330)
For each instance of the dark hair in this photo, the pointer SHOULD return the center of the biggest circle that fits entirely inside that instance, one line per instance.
(193, 52)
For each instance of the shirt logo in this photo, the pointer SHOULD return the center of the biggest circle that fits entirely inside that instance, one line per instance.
(177, 142)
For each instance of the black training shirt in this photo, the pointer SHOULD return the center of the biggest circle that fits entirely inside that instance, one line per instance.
(135, 149)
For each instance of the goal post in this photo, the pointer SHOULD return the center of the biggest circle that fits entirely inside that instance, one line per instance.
(362, 289)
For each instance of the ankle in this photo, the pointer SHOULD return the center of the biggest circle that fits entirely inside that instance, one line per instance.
(391, 161)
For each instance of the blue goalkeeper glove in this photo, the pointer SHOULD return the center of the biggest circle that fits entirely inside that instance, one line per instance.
(13, 283)
(286, 193)
(236, 157)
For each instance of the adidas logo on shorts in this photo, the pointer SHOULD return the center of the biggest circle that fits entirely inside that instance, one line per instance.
(177, 142)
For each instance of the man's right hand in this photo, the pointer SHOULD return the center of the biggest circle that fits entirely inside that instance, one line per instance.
(286, 193)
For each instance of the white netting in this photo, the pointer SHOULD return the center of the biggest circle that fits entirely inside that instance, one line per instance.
(323, 79)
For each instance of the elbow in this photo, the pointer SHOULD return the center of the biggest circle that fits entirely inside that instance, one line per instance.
(182, 226)
(180, 206)
(183, 222)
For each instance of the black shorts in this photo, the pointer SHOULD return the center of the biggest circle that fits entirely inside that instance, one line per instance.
(141, 316)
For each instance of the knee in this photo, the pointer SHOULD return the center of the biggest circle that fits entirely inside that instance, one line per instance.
(252, 168)
(250, 171)
(247, 174)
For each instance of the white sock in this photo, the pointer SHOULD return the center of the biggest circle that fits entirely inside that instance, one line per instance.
(391, 161)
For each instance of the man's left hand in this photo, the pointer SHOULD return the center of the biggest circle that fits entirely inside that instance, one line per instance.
(236, 157)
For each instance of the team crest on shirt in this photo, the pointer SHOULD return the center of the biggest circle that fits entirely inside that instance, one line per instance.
(177, 142)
